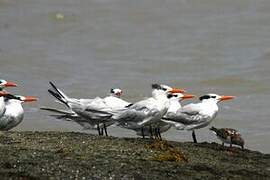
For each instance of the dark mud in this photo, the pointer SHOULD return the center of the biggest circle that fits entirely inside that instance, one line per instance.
(68, 155)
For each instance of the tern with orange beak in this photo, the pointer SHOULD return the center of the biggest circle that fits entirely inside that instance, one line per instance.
(149, 111)
(4, 84)
(14, 112)
(89, 113)
(160, 127)
(196, 116)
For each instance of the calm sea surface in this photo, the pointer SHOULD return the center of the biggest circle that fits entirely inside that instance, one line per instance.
(89, 46)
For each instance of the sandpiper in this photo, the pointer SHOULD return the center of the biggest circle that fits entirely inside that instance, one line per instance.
(229, 136)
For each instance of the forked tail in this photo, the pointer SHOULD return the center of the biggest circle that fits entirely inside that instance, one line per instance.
(58, 94)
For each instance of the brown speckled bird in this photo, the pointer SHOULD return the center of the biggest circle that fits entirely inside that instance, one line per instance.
(229, 136)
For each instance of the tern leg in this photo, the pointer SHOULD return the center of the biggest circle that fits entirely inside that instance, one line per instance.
(155, 133)
(101, 132)
(151, 132)
(105, 129)
(194, 136)
(159, 134)
(98, 129)
(142, 132)
(223, 144)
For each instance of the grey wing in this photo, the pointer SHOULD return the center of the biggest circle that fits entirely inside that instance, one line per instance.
(187, 115)
(90, 113)
(137, 113)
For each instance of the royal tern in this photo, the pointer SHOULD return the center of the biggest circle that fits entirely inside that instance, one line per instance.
(14, 112)
(146, 112)
(196, 116)
(229, 136)
(160, 126)
(4, 84)
(89, 113)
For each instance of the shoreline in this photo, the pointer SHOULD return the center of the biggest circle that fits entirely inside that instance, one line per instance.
(73, 155)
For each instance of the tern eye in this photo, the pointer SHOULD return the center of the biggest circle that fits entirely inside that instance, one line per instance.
(164, 89)
(175, 95)
(213, 97)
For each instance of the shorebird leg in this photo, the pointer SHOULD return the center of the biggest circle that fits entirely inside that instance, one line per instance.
(155, 133)
(194, 136)
(223, 144)
(142, 133)
(98, 129)
(151, 131)
(230, 142)
(105, 129)
(159, 134)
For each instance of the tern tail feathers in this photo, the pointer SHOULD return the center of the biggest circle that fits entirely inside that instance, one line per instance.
(61, 111)
(58, 94)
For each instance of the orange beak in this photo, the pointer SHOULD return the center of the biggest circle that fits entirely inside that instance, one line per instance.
(3, 93)
(188, 96)
(30, 99)
(10, 84)
(175, 90)
(223, 98)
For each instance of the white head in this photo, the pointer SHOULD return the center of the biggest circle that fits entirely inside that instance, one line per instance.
(116, 92)
(4, 83)
(215, 98)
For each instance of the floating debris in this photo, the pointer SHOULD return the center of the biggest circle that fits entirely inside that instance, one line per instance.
(59, 16)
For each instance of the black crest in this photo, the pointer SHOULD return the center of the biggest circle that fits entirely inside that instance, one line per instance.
(156, 86)
(112, 91)
(169, 96)
(10, 96)
(204, 97)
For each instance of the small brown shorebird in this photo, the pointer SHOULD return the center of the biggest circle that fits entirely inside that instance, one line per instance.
(229, 136)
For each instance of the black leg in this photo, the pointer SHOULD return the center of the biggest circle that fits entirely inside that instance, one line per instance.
(98, 129)
(105, 129)
(159, 134)
(142, 133)
(155, 133)
(151, 131)
(101, 131)
(194, 136)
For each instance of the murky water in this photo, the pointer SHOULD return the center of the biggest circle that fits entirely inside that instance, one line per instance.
(220, 46)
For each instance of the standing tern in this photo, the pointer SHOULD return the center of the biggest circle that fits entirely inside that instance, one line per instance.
(89, 113)
(14, 112)
(229, 136)
(196, 116)
(146, 112)
(3, 84)
(160, 126)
